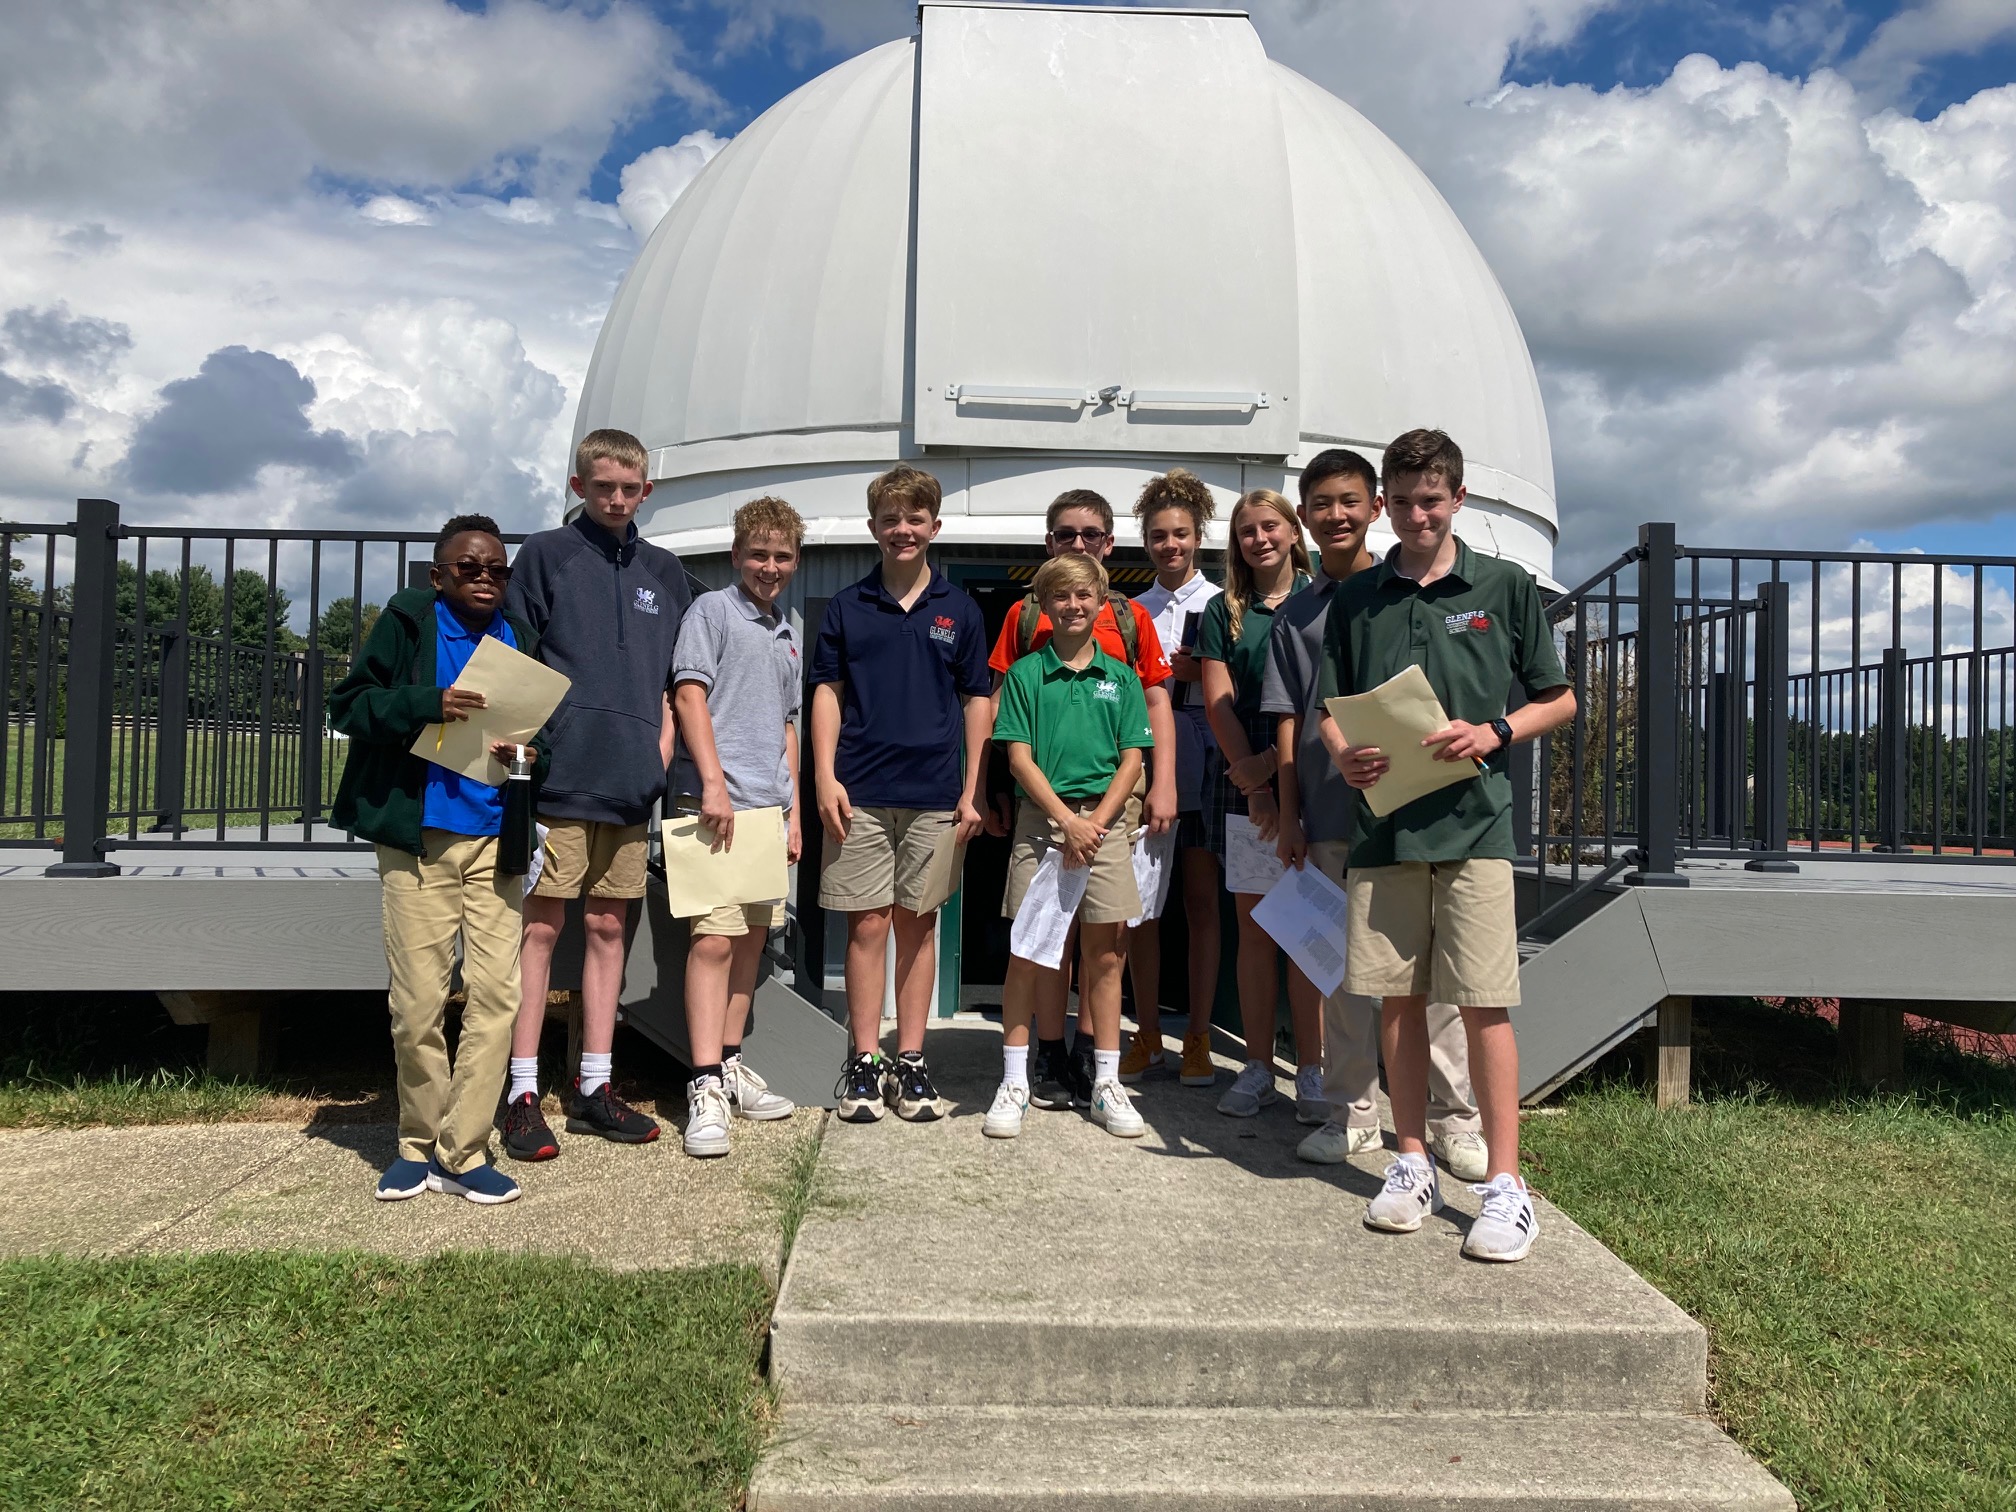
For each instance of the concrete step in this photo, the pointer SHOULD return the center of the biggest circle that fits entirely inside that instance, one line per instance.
(1200, 1266)
(1005, 1459)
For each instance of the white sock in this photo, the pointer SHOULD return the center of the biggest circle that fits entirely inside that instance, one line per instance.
(524, 1076)
(594, 1071)
(1015, 1065)
(1105, 1065)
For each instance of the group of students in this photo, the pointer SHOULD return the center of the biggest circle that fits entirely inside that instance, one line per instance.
(1103, 740)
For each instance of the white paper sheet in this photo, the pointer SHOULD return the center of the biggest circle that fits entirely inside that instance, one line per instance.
(1043, 922)
(1154, 860)
(1250, 863)
(1305, 912)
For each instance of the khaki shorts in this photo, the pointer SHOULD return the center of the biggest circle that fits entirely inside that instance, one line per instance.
(738, 919)
(1110, 894)
(887, 858)
(585, 855)
(1443, 928)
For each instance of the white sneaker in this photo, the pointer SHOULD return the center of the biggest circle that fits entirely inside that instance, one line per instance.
(1411, 1193)
(1507, 1227)
(1462, 1151)
(750, 1096)
(1004, 1118)
(706, 1117)
(1335, 1143)
(1311, 1106)
(1251, 1090)
(1113, 1109)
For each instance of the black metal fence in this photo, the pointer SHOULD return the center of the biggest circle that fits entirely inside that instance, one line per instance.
(1777, 706)
(167, 685)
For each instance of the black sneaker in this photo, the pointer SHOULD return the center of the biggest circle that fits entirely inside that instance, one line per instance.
(1082, 1067)
(859, 1090)
(1050, 1087)
(906, 1087)
(603, 1112)
(527, 1136)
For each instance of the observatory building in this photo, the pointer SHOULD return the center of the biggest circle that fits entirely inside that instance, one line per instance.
(1033, 248)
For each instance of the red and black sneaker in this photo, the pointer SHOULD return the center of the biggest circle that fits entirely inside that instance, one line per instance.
(526, 1133)
(603, 1112)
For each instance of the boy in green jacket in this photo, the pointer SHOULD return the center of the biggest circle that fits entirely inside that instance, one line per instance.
(436, 834)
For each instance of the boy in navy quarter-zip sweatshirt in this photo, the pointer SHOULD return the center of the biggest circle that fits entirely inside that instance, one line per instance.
(607, 606)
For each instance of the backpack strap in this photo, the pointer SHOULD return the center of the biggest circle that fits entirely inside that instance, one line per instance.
(1128, 626)
(1026, 618)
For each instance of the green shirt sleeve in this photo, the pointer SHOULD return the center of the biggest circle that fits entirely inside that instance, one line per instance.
(1538, 665)
(1134, 732)
(1214, 635)
(1017, 719)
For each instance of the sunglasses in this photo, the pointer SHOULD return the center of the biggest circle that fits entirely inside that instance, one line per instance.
(1069, 537)
(470, 572)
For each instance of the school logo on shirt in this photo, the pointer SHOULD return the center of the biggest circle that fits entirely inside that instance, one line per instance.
(1108, 689)
(647, 601)
(1469, 619)
(945, 628)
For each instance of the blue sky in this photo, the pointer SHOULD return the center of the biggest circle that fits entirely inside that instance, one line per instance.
(1764, 255)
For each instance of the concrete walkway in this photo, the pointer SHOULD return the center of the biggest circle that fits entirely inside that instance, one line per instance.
(196, 1188)
(1198, 1320)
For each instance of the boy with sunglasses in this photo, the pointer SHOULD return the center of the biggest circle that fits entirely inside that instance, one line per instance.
(436, 833)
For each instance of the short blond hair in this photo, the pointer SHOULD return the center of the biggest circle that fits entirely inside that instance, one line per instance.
(769, 515)
(1071, 570)
(620, 447)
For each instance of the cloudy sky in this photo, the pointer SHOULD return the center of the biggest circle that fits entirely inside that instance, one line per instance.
(281, 261)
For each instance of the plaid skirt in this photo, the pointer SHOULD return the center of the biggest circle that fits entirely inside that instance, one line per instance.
(1220, 796)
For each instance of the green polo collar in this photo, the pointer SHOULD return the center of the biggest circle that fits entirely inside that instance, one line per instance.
(1463, 572)
(1054, 665)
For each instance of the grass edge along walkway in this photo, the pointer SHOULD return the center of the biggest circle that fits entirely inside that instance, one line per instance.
(336, 1380)
(1853, 1257)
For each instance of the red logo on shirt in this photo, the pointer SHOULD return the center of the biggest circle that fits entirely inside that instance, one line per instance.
(945, 628)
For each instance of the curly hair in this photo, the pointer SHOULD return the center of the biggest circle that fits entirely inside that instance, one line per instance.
(768, 515)
(462, 524)
(1178, 488)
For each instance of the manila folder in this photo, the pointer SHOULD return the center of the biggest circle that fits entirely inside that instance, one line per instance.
(521, 696)
(1396, 717)
(699, 878)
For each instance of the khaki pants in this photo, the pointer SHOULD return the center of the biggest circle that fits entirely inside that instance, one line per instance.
(455, 889)
(1351, 1044)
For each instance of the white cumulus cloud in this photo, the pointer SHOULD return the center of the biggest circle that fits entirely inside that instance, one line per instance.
(653, 182)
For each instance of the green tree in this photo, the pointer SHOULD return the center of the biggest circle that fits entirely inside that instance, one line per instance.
(339, 620)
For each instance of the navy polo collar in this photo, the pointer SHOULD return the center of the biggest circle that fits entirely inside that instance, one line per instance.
(616, 551)
(873, 590)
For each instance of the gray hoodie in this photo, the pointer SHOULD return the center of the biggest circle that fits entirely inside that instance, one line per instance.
(607, 615)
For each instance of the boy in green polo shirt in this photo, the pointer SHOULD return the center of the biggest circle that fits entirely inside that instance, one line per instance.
(1075, 722)
(1430, 884)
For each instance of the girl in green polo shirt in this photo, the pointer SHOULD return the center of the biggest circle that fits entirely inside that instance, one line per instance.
(1268, 561)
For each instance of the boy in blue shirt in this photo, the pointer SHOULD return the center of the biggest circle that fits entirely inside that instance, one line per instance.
(436, 833)
(899, 691)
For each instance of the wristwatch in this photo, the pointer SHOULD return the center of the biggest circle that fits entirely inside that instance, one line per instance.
(1503, 730)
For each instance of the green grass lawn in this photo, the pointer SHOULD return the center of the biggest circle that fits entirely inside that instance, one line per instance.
(1852, 1256)
(345, 1381)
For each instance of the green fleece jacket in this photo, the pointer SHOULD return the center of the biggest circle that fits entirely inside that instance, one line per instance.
(388, 698)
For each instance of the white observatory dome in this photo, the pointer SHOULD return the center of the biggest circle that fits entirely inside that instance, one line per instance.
(1034, 248)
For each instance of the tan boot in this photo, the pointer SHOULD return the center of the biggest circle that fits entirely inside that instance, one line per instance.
(1143, 1055)
(1198, 1069)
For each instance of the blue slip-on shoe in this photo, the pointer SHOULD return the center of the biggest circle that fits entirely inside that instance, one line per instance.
(484, 1183)
(402, 1179)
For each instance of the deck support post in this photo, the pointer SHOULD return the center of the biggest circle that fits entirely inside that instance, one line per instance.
(244, 1031)
(1871, 1042)
(1676, 1052)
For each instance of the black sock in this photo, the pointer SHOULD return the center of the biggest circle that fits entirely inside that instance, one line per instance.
(732, 1052)
(713, 1071)
(1081, 1043)
(1049, 1051)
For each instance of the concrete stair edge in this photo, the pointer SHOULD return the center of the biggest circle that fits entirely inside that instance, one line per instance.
(965, 1459)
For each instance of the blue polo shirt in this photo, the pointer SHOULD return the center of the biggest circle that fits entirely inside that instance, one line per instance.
(453, 802)
(902, 674)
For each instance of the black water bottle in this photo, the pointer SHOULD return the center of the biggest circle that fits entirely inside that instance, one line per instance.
(514, 838)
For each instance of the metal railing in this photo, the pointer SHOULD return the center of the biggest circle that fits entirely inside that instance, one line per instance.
(1775, 706)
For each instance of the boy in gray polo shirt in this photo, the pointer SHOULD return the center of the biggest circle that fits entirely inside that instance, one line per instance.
(1340, 500)
(736, 690)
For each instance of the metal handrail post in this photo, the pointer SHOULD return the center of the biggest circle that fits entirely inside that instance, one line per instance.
(1770, 731)
(87, 733)
(1658, 711)
(171, 738)
(1893, 751)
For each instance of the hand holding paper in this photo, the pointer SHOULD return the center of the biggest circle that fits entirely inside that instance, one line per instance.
(701, 874)
(503, 696)
(1396, 717)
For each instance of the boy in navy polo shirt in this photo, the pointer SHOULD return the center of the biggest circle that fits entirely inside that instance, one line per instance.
(436, 833)
(899, 691)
